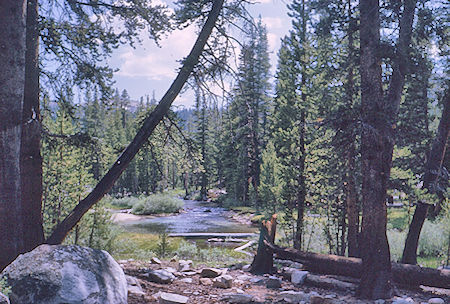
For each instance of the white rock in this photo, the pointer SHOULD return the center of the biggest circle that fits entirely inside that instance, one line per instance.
(224, 281)
(172, 298)
(237, 298)
(66, 274)
(291, 296)
(3, 299)
(186, 280)
(205, 281)
(160, 276)
(436, 301)
(155, 260)
(398, 300)
(298, 277)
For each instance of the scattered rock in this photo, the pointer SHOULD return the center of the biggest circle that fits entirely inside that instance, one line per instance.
(186, 280)
(184, 266)
(291, 296)
(379, 301)
(66, 274)
(257, 281)
(246, 267)
(172, 298)
(134, 287)
(273, 282)
(210, 272)
(298, 277)
(174, 259)
(155, 260)
(3, 299)
(398, 300)
(170, 269)
(244, 277)
(205, 281)
(224, 281)
(160, 276)
(237, 266)
(189, 273)
(436, 301)
(237, 298)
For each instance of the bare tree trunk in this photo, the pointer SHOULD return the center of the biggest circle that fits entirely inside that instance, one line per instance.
(379, 114)
(142, 135)
(12, 79)
(432, 171)
(350, 188)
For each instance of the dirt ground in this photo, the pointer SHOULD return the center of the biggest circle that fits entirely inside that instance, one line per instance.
(200, 294)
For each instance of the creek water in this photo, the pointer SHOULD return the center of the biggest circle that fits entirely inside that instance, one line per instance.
(196, 217)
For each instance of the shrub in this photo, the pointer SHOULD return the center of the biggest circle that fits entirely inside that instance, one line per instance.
(433, 240)
(4, 288)
(124, 202)
(156, 204)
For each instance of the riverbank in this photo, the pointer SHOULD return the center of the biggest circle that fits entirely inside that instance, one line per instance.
(180, 279)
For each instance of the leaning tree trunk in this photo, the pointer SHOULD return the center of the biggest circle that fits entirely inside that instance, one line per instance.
(379, 115)
(12, 80)
(142, 135)
(432, 169)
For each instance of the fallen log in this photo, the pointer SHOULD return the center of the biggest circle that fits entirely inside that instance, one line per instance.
(263, 260)
(403, 274)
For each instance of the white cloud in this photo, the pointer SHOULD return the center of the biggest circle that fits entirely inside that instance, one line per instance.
(157, 63)
(273, 22)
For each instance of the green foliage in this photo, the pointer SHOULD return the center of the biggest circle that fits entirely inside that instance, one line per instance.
(156, 204)
(163, 245)
(4, 287)
(127, 202)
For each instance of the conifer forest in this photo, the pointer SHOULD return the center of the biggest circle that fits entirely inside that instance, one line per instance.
(341, 133)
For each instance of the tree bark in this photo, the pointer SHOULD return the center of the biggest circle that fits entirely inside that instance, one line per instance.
(141, 137)
(263, 260)
(432, 171)
(12, 79)
(404, 274)
(350, 187)
(409, 255)
(379, 115)
(30, 148)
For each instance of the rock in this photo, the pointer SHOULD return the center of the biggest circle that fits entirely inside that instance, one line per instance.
(186, 280)
(224, 281)
(273, 282)
(246, 267)
(134, 287)
(257, 281)
(3, 299)
(174, 259)
(316, 299)
(172, 298)
(205, 281)
(170, 269)
(379, 301)
(398, 300)
(184, 266)
(66, 274)
(155, 260)
(293, 296)
(298, 277)
(244, 277)
(160, 276)
(237, 298)
(189, 273)
(210, 272)
(431, 301)
(237, 266)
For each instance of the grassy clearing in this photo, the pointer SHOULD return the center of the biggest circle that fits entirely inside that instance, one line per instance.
(142, 247)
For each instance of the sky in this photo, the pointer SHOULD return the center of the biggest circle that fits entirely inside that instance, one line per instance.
(147, 67)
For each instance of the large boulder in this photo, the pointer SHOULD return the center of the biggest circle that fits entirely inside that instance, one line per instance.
(53, 274)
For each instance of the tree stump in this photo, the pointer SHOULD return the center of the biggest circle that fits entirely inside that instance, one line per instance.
(263, 261)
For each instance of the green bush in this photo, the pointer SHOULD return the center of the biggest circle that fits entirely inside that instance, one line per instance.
(156, 204)
(4, 288)
(124, 202)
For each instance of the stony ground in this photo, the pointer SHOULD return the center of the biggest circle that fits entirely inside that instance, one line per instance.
(198, 290)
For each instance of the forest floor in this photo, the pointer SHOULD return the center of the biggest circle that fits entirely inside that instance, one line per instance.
(190, 285)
